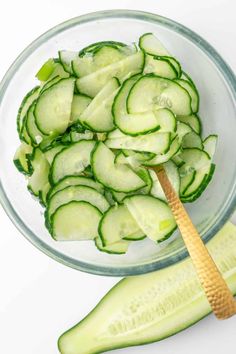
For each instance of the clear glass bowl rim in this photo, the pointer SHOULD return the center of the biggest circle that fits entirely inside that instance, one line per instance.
(94, 16)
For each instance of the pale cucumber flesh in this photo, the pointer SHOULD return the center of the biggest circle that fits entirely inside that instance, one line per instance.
(148, 308)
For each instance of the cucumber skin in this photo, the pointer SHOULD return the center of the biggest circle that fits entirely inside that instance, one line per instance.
(116, 288)
(195, 195)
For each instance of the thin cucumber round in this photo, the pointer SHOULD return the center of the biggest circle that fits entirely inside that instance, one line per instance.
(75, 221)
(119, 178)
(53, 107)
(120, 247)
(153, 92)
(75, 181)
(153, 216)
(116, 224)
(76, 193)
(72, 160)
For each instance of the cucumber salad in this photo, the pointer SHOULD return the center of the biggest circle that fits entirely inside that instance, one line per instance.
(91, 130)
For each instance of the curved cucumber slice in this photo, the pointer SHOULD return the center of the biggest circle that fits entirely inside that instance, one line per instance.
(186, 181)
(21, 158)
(119, 247)
(157, 143)
(25, 105)
(98, 101)
(94, 47)
(71, 160)
(75, 181)
(159, 159)
(104, 56)
(39, 177)
(53, 107)
(35, 135)
(52, 152)
(75, 221)
(153, 306)
(91, 84)
(193, 121)
(116, 224)
(117, 177)
(66, 57)
(192, 140)
(76, 193)
(151, 45)
(101, 120)
(153, 216)
(173, 175)
(204, 183)
(159, 66)
(192, 92)
(79, 104)
(153, 92)
(209, 145)
(194, 159)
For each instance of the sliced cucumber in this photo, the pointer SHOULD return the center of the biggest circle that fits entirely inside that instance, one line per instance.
(98, 116)
(153, 216)
(21, 158)
(153, 306)
(119, 247)
(186, 181)
(33, 132)
(43, 193)
(104, 56)
(50, 83)
(59, 71)
(199, 178)
(159, 159)
(66, 57)
(75, 221)
(194, 159)
(116, 224)
(91, 84)
(94, 47)
(141, 156)
(192, 92)
(71, 160)
(79, 104)
(39, 177)
(193, 121)
(202, 185)
(110, 87)
(76, 193)
(173, 176)
(75, 181)
(117, 177)
(162, 120)
(153, 92)
(210, 144)
(192, 140)
(53, 108)
(151, 45)
(50, 153)
(22, 113)
(136, 236)
(157, 143)
(160, 67)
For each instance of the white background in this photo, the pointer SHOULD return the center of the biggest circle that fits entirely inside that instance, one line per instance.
(40, 298)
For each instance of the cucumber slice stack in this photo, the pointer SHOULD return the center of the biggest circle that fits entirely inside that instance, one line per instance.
(90, 129)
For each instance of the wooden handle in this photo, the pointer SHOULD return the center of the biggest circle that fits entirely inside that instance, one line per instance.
(215, 287)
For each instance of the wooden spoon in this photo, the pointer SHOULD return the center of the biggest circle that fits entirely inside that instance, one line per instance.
(218, 294)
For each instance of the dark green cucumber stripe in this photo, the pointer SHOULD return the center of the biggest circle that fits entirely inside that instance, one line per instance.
(194, 196)
(19, 124)
(93, 48)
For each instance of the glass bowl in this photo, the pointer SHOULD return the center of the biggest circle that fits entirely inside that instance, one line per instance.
(217, 87)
